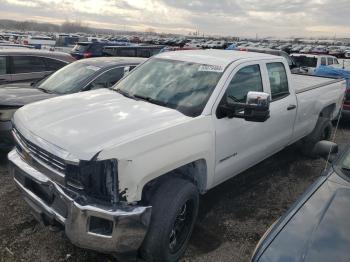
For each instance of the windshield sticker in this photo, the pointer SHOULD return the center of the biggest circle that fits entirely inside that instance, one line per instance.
(211, 68)
(94, 68)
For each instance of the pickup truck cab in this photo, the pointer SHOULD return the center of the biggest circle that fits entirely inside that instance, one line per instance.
(122, 169)
(307, 63)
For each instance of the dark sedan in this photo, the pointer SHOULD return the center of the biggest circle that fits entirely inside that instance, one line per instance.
(82, 75)
(317, 227)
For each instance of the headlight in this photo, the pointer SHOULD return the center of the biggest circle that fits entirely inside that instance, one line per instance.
(6, 114)
(97, 179)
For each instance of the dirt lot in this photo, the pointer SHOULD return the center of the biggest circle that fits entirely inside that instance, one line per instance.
(232, 217)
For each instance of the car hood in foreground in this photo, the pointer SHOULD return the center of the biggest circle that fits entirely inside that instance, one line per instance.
(318, 231)
(86, 123)
(19, 96)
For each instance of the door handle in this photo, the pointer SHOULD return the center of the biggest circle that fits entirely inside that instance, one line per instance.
(291, 107)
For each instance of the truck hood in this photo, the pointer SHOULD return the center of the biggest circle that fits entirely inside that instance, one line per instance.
(318, 231)
(86, 123)
(20, 96)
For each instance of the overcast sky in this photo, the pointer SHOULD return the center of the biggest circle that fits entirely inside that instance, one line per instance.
(279, 18)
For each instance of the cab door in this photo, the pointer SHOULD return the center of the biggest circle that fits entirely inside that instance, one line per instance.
(241, 144)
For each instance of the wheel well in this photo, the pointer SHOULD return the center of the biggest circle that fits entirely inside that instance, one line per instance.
(194, 172)
(328, 111)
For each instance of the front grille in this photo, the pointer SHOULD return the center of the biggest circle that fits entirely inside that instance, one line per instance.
(40, 154)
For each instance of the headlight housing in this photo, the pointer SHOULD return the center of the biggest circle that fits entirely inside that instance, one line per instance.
(7, 114)
(97, 179)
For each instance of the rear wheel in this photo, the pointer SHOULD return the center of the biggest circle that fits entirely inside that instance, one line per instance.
(322, 131)
(174, 211)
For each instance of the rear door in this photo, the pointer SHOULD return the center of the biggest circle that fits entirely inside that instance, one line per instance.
(283, 105)
(27, 68)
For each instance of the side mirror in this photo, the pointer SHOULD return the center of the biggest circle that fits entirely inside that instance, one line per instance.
(325, 148)
(256, 108)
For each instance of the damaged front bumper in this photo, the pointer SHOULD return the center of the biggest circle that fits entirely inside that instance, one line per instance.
(96, 227)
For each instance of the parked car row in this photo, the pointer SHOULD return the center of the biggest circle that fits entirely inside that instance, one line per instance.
(120, 169)
(82, 75)
(29, 65)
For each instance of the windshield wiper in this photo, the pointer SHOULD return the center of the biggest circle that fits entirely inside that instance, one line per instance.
(151, 100)
(45, 90)
(124, 93)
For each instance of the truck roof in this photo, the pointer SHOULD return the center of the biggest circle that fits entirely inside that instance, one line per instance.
(214, 57)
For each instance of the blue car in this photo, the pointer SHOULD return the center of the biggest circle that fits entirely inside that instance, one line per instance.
(317, 227)
(92, 49)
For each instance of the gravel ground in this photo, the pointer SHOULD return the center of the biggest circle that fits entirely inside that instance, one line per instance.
(232, 216)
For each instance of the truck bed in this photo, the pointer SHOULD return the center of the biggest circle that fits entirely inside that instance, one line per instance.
(303, 83)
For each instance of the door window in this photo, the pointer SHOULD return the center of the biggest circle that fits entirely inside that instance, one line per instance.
(53, 64)
(28, 64)
(323, 61)
(330, 61)
(245, 80)
(107, 79)
(278, 80)
(3, 65)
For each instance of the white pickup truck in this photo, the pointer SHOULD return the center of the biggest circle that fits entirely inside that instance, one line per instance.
(122, 169)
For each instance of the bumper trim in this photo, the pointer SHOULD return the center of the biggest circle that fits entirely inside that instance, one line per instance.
(130, 223)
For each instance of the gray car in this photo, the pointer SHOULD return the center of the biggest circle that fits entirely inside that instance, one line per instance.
(25, 65)
(82, 75)
(317, 227)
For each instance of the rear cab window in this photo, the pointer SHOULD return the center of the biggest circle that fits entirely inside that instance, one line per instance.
(278, 80)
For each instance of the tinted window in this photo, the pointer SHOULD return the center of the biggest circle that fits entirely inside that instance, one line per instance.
(278, 80)
(53, 64)
(245, 80)
(2, 65)
(302, 61)
(107, 79)
(96, 48)
(323, 61)
(144, 53)
(28, 64)
(330, 61)
(127, 52)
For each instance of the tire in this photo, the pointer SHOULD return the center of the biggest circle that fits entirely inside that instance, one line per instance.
(322, 131)
(174, 202)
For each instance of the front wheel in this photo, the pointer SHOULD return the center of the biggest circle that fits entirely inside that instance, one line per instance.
(174, 212)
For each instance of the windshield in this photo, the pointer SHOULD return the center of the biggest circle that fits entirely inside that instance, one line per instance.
(70, 79)
(183, 86)
(304, 61)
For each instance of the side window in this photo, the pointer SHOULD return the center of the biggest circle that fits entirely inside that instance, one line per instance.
(53, 64)
(3, 64)
(28, 64)
(245, 80)
(330, 61)
(128, 52)
(323, 61)
(278, 80)
(107, 79)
